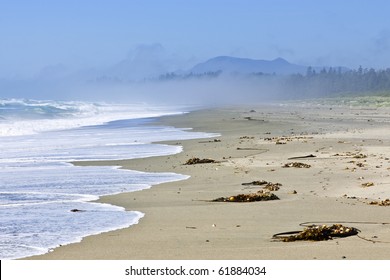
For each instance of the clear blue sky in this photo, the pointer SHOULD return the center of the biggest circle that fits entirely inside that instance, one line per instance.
(97, 33)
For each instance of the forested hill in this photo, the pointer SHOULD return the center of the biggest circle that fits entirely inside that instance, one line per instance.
(228, 64)
(326, 82)
(335, 82)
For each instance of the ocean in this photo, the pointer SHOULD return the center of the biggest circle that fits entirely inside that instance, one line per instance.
(40, 190)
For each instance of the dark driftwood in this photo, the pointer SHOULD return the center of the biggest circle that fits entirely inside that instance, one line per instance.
(308, 156)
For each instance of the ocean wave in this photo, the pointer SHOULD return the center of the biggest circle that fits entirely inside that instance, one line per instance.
(17, 199)
(27, 117)
(40, 187)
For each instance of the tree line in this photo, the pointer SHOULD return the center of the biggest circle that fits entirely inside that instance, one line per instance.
(334, 82)
(328, 82)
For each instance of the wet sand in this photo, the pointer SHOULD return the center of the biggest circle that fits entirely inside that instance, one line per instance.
(351, 168)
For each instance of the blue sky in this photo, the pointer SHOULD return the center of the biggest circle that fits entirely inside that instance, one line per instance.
(85, 33)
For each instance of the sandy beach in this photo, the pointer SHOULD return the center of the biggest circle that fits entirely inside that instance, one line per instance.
(349, 150)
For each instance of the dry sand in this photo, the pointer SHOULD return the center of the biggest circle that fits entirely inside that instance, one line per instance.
(181, 223)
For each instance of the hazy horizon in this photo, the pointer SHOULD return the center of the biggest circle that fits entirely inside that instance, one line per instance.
(74, 35)
(53, 48)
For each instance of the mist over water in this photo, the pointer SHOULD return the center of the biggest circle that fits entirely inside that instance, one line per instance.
(152, 75)
(144, 76)
(194, 92)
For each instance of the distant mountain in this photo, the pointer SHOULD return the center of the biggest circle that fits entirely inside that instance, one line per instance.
(228, 64)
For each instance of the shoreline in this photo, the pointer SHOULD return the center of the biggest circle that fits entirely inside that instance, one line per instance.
(180, 222)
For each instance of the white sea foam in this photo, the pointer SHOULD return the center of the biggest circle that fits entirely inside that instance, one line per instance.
(25, 117)
(39, 187)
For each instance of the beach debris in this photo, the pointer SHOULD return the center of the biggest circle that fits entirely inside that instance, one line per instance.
(252, 119)
(368, 184)
(317, 233)
(350, 154)
(284, 139)
(360, 156)
(267, 185)
(293, 192)
(195, 160)
(385, 202)
(253, 149)
(272, 187)
(189, 227)
(297, 165)
(299, 157)
(77, 210)
(211, 141)
(343, 142)
(256, 183)
(349, 197)
(259, 196)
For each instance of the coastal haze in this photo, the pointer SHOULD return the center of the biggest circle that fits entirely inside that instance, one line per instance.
(145, 78)
(129, 128)
(121, 50)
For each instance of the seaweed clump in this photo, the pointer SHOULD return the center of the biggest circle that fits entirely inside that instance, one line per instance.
(259, 196)
(350, 154)
(297, 165)
(318, 233)
(266, 185)
(195, 160)
(368, 184)
(385, 202)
